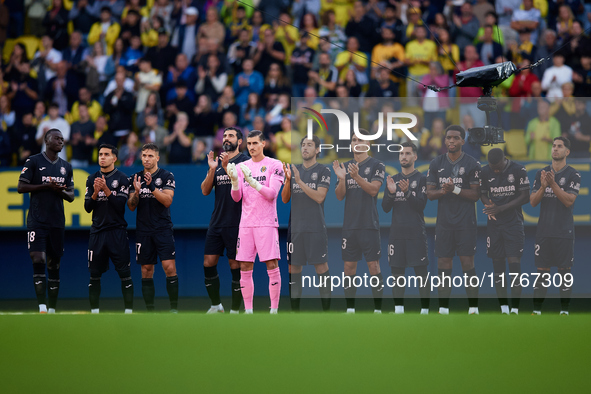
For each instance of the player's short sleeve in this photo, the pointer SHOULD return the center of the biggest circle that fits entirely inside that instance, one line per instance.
(89, 187)
(574, 183)
(474, 176)
(277, 173)
(378, 172)
(124, 185)
(27, 172)
(523, 179)
(324, 180)
(169, 183)
(432, 174)
(537, 182)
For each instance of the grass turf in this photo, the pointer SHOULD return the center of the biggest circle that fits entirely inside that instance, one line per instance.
(314, 352)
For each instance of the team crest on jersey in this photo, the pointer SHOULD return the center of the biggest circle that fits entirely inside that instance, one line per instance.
(367, 170)
(462, 171)
(413, 185)
(263, 168)
(158, 182)
(562, 181)
(510, 178)
(63, 171)
(314, 176)
(115, 184)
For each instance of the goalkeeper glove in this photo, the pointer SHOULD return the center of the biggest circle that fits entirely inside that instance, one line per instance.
(248, 178)
(233, 174)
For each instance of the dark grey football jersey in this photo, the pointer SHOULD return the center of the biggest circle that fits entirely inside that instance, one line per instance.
(307, 215)
(504, 187)
(408, 220)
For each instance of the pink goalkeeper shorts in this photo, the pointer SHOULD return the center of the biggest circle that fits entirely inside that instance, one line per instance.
(261, 240)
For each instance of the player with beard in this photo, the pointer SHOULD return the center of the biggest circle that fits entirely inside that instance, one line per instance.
(358, 183)
(257, 184)
(556, 188)
(107, 191)
(307, 239)
(406, 196)
(151, 192)
(222, 232)
(454, 180)
(49, 180)
(505, 188)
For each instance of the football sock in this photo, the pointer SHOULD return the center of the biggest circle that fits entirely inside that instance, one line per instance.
(275, 287)
(212, 284)
(444, 289)
(515, 283)
(350, 291)
(127, 290)
(565, 291)
(398, 291)
(539, 292)
(172, 287)
(500, 281)
(236, 293)
(247, 287)
(424, 291)
(40, 282)
(53, 289)
(94, 292)
(471, 291)
(148, 291)
(377, 291)
(325, 293)
(295, 285)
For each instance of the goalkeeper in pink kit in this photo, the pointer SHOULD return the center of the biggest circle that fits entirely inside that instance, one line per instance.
(257, 182)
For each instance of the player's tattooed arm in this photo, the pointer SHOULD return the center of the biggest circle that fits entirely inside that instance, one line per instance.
(208, 182)
(134, 199)
(286, 192)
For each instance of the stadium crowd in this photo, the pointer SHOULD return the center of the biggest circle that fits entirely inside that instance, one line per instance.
(178, 72)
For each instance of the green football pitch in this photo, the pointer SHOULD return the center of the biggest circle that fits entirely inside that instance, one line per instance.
(307, 352)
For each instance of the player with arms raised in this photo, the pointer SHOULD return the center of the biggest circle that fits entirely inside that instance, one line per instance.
(454, 180)
(556, 188)
(151, 192)
(257, 184)
(505, 188)
(222, 232)
(107, 191)
(49, 180)
(307, 241)
(406, 196)
(358, 183)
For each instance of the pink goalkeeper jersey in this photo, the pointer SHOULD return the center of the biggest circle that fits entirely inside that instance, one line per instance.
(259, 208)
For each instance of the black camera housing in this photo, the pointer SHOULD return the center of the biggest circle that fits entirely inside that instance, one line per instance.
(487, 135)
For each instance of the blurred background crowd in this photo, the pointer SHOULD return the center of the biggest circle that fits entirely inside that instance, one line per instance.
(177, 72)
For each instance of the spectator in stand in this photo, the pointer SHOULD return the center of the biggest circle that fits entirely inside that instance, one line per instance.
(363, 28)
(547, 47)
(527, 19)
(132, 55)
(258, 26)
(521, 86)
(275, 83)
(93, 108)
(56, 24)
(82, 139)
(301, 64)
(119, 49)
(578, 131)
(204, 118)
(180, 141)
(325, 77)
(18, 57)
(212, 47)
(35, 14)
(180, 72)
(354, 59)
(432, 144)
(22, 91)
(419, 53)
(130, 26)
(491, 20)
(106, 31)
(229, 120)
(564, 23)
(247, 81)
(128, 83)
(250, 110)
(212, 28)
(268, 52)
(465, 27)
(351, 83)
(130, 152)
(287, 142)
(488, 49)
(388, 51)
(147, 81)
(180, 103)
(226, 103)
(435, 104)
(382, 85)
(392, 22)
(242, 49)
(446, 50)
(525, 50)
(184, 36)
(74, 56)
(63, 88)
(28, 145)
(481, 10)
(578, 45)
(212, 79)
(556, 76)
(469, 95)
(39, 114)
(237, 23)
(82, 18)
(541, 132)
(149, 30)
(582, 77)
(332, 32)
(46, 60)
(163, 9)
(286, 34)
(310, 25)
(152, 106)
(53, 122)
(119, 105)
(162, 55)
(529, 105)
(155, 134)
